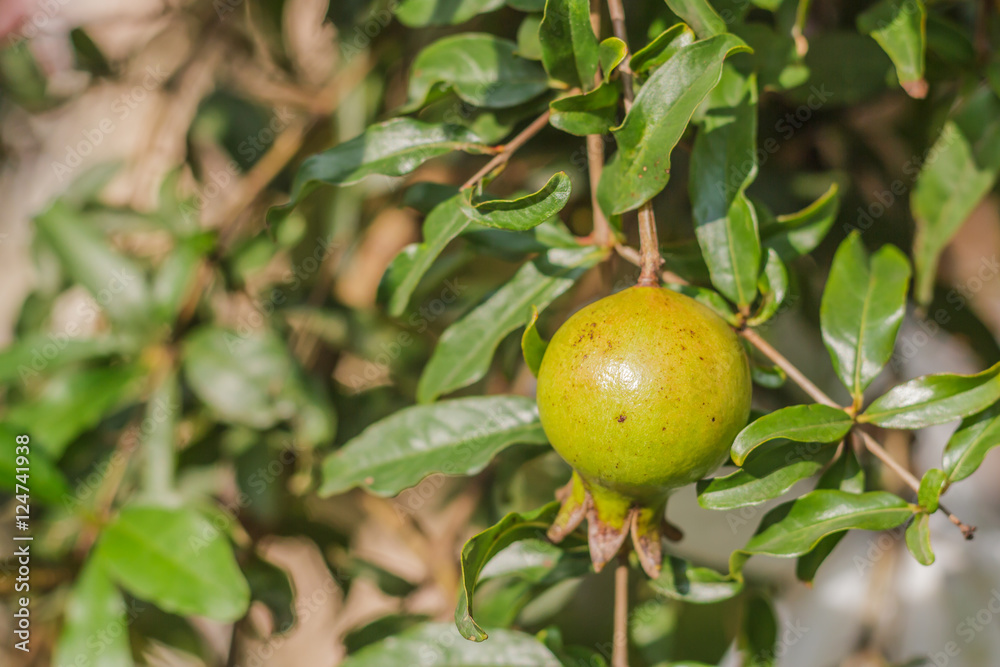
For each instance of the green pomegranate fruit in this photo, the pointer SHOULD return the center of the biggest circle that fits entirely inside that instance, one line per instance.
(641, 393)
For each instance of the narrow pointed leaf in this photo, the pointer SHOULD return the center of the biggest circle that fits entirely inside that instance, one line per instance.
(523, 213)
(591, 113)
(457, 437)
(661, 49)
(900, 28)
(935, 399)
(968, 446)
(773, 288)
(795, 234)
(465, 350)
(680, 580)
(441, 645)
(964, 169)
(641, 167)
(532, 344)
(176, 559)
(421, 13)
(570, 51)
(918, 539)
(481, 69)
(770, 471)
(863, 306)
(801, 423)
(478, 551)
(700, 15)
(932, 485)
(95, 628)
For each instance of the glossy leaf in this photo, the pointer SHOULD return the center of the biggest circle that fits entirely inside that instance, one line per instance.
(465, 350)
(591, 113)
(932, 485)
(242, 378)
(801, 423)
(700, 15)
(722, 165)
(795, 234)
(900, 28)
(661, 49)
(95, 627)
(446, 221)
(522, 213)
(481, 69)
(478, 551)
(640, 169)
(176, 559)
(968, 446)
(117, 284)
(440, 644)
(532, 344)
(569, 46)
(612, 52)
(392, 148)
(528, 44)
(457, 437)
(770, 471)
(421, 13)
(709, 298)
(794, 528)
(966, 159)
(680, 580)
(918, 539)
(862, 309)
(934, 399)
(773, 288)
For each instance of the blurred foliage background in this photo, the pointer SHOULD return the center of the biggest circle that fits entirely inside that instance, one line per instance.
(162, 344)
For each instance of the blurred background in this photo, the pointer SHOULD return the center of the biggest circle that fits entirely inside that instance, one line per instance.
(154, 136)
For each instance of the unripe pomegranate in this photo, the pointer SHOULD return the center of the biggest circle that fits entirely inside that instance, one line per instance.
(641, 393)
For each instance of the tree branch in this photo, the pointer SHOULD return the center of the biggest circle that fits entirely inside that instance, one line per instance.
(507, 152)
(619, 641)
(602, 234)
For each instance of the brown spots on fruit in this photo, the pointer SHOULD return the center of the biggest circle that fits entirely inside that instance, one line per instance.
(713, 418)
(621, 418)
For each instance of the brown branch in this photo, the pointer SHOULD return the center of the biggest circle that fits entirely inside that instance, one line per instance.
(507, 152)
(602, 234)
(619, 640)
(784, 364)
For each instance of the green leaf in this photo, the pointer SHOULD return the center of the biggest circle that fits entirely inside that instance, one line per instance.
(74, 402)
(801, 423)
(863, 306)
(392, 148)
(532, 344)
(795, 234)
(641, 167)
(900, 28)
(116, 282)
(591, 113)
(272, 586)
(960, 170)
(46, 481)
(446, 221)
(528, 44)
(95, 627)
(770, 471)
(176, 559)
(482, 547)
(422, 13)
(38, 353)
(661, 49)
(527, 5)
(680, 580)
(722, 165)
(707, 297)
(968, 446)
(918, 539)
(440, 644)
(243, 378)
(934, 399)
(569, 46)
(773, 288)
(612, 54)
(932, 485)
(759, 635)
(700, 15)
(465, 350)
(177, 275)
(481, 69)
(457, 437)
(776, 60)
(796, 527)
(523, 213)
(158, 438)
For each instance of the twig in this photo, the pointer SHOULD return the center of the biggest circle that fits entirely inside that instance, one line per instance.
(508, 150)
(619, 641)
(602, 234)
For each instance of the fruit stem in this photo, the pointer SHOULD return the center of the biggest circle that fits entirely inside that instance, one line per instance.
(619, 642)
(509, 149)
(649, 246)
